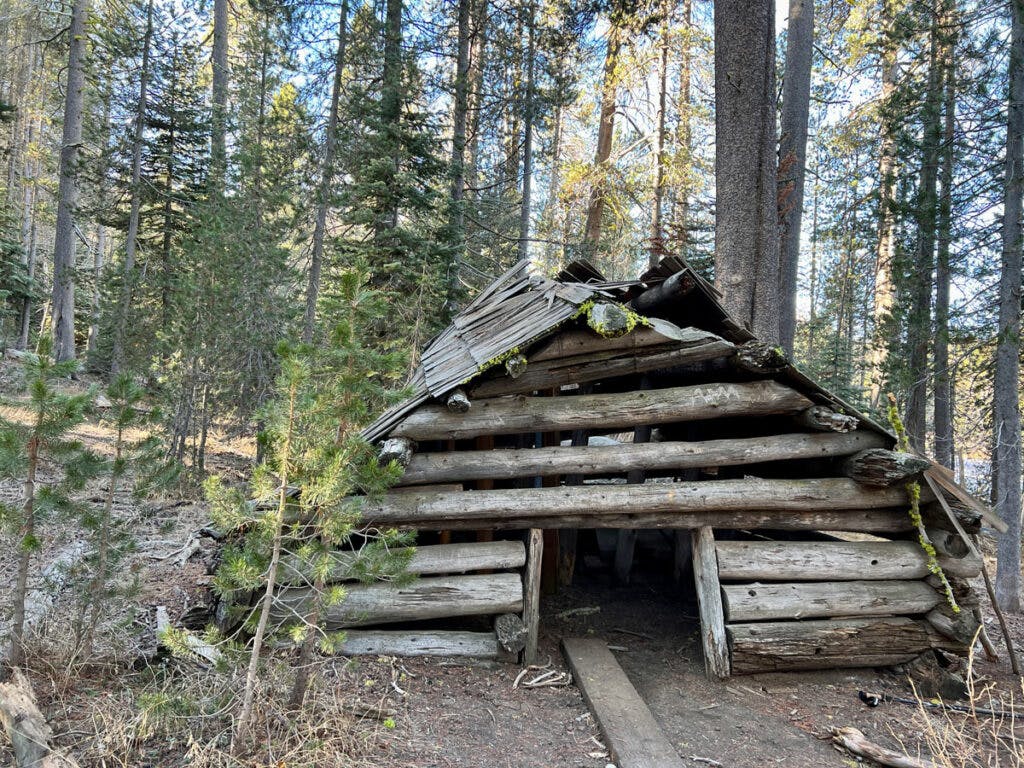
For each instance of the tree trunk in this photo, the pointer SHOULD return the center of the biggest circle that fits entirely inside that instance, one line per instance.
(684, 134)
(1006, 408)
(943, 381)
(796, 96)
(878, 350)
(391, 115)
(528, 119)
(746, 219)
(63, 296)
(326, 180)
(605, 134)
(16, 655)
(657, 246)
(919, 323)
(131, 240)
(460, 116)
(219, 96)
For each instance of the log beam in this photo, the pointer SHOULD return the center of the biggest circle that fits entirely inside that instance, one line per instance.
(831, 561)
(474, 645)
(514, 415)
(458, 401)
(604, 365)
(790, 645)
(709, 599)
(683, 497)
(397, 449)
(809, 600)
(531, 593)
(428, 598)
(507, 464)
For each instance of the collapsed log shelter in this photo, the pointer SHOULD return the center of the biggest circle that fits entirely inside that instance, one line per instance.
(551, 406)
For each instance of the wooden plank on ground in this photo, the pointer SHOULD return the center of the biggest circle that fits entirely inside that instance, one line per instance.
(632, 734)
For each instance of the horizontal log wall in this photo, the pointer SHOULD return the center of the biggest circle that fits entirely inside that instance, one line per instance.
(505, 464)
(475, 645)
(427, 561)
(880, 521)
(411, 508)
(519, 414)
(768, 602)
(832, 561)
(427, 598)
(791, 645)
(604, 365)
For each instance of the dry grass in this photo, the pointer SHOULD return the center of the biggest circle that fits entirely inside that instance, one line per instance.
(975, 738)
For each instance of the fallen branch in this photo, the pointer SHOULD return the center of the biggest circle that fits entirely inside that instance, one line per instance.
(27, 728)
(854, 741)
(183, 638)
(874, 699)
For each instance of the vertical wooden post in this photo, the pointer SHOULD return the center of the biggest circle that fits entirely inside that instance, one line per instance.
(531, 592)
(626, 541)
(709, 597)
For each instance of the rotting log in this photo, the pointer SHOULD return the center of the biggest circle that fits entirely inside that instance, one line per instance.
(397, 449)
(29, 733)
(511, 631)
(950, 545)
(507, 463)
(573, 343)
(600, 366)
(518, 414)
(675, 287)
(878, 466)
(516, 366)
(824, 644)
(825, 419)
(608, 319)
(709, 599)
(427, 598)
(430, 560)
(810, 600)
(458, 401)
(854, 741)
(679, 497)
(879, 521)
(475, 645)
(831, 561)
(759, 357)
(959, 627)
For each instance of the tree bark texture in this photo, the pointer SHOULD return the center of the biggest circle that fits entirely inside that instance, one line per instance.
(605, 134)
(63, 296)
(796, 97)
(1006, 416)
(746, 217)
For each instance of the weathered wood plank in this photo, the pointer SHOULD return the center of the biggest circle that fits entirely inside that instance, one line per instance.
(709, 599)
(831, 561)
(680, 497)
(632, 734)
(531, 593)
(599, 366)
(809, 600)
(475, 645)
(430, 560)
(506, 464)
(435, 597)
(825, 644)
(513, 415)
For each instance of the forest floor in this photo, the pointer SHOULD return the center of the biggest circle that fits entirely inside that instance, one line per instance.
(140, 707)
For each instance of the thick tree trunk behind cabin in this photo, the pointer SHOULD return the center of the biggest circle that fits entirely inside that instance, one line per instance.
(657, 246)
(528, 115)
(1006, 416)
(460, 118)
(746, 219)
(796, 96)
(63, 296)
(878, 349)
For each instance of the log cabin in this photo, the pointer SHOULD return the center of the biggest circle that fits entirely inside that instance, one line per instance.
(554, 406)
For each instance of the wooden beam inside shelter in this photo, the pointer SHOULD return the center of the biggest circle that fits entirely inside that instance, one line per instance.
(709, 599)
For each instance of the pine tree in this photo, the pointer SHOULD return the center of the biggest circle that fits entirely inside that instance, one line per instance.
(54, 415)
